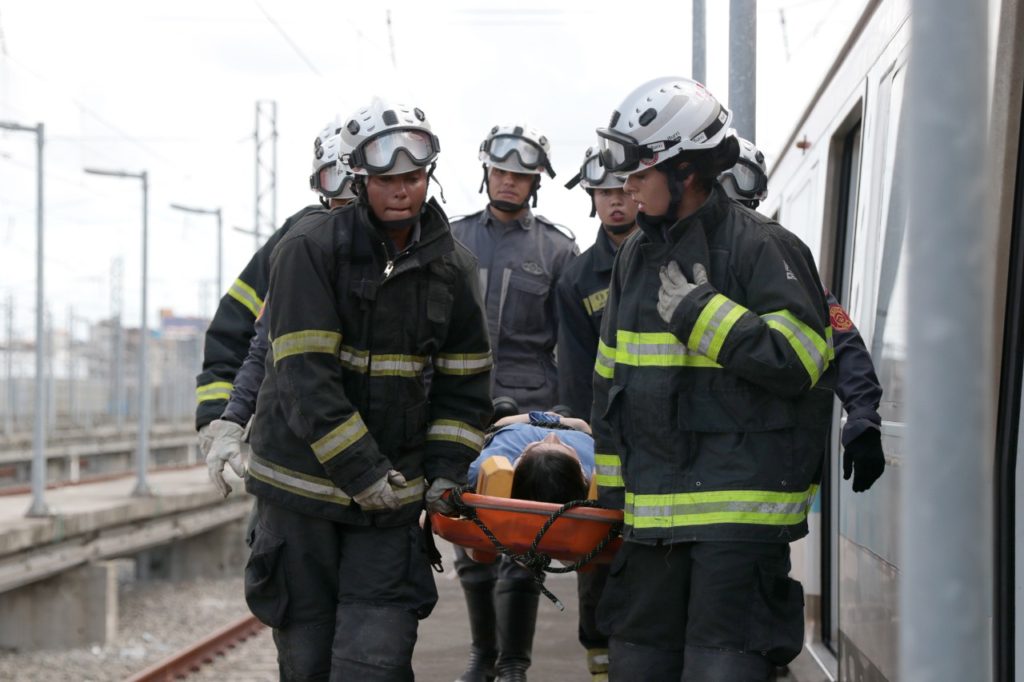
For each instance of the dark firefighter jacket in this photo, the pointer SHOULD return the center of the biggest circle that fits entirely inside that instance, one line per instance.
(713, 427)
(581, 296)
(227, 339)
(857, 384)
(520, 264)
(353, 327)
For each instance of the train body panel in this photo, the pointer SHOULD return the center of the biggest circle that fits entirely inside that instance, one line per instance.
(840, 183)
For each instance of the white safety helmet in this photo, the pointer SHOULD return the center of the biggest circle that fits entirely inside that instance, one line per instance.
(593, 174)
(747, 181)
(331, 179)
(517, 148)
(661, 119)
(388, 138)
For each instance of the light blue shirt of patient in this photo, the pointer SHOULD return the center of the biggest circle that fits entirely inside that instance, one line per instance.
(510, 440)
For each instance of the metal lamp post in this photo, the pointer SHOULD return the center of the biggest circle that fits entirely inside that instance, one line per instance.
(38, 507)
(220, 238)
(142, 454)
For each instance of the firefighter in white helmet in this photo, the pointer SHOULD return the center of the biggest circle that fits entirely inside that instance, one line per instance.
(712, 400)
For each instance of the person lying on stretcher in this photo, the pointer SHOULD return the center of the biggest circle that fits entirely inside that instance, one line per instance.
(552, 456)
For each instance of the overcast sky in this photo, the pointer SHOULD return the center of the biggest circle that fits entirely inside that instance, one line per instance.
(170, 88)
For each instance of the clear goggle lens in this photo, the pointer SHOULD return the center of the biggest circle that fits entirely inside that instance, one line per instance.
(749, 180)
(380, 153)
(502, 147)
(333, 180)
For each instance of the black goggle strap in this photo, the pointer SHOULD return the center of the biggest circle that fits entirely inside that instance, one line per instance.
(574, 180)
(483, 183)
(440, 187)
(533, 190)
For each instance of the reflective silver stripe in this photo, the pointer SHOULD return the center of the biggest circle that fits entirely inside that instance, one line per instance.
(339, 438)
(455, 432)
(305, 341)
(604, 366)
(462, 363)
(216, 390)
(247, 296)
(323, 489)
(656, 349)
(355, 360)
(755, 507)
(608, 470)
(298, 483)
(395, 365)
(812, 357)
(722, 313)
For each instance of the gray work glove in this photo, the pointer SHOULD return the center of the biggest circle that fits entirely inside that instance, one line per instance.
(435, 503)
(675, 287)
(205, 440)
(225, 448)
(381, 494)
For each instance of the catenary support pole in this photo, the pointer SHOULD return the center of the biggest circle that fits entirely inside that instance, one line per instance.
(945, 498)
(743, 66)
(700, 45)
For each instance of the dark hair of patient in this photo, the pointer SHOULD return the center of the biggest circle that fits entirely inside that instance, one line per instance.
(548, 476)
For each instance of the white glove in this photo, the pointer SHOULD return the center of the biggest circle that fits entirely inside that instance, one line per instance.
(205, 440)
(675, 287)
(435, 503)
(381, 494)
(225, 448)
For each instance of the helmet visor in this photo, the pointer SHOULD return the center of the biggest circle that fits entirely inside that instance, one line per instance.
(379, 153)
(501, 147)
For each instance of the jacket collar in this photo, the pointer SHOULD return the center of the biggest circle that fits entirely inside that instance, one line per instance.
(604, 252)
(526, 221)
(707, 217)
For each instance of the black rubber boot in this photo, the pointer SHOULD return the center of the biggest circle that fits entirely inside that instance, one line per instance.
(484, 649)
(516, 604)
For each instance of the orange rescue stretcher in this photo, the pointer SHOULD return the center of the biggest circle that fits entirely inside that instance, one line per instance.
(515, 523)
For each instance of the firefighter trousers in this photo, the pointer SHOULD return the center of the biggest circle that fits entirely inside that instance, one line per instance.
(344, 601)
(707, 611)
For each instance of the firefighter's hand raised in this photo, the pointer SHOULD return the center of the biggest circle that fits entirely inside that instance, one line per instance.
(675, 287)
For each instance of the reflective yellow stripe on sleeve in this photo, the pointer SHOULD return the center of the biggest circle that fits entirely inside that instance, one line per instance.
(713, 326)
(455, 432)
(247, 296)
(216, 390)
(306, 341)
(605, 364)
(608, 470)
(339, 438)
(462, 363)
(757, 507)
(806, 343)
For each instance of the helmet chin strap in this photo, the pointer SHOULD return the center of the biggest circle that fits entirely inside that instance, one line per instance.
(508, 206)
(676, 178)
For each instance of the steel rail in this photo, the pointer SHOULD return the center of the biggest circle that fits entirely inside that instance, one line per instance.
(193, 657)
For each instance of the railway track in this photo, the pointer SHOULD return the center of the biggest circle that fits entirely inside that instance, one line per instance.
(217, 656)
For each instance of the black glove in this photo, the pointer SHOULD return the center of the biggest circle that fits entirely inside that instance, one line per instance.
(866, 452)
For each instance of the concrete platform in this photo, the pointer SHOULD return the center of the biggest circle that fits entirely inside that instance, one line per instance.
(183, 529)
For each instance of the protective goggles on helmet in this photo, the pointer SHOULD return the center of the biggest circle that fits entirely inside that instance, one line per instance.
(593, 174)
(331, 180)
(529, 154)
(623, 154)
(379, 153)
(748, 179)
